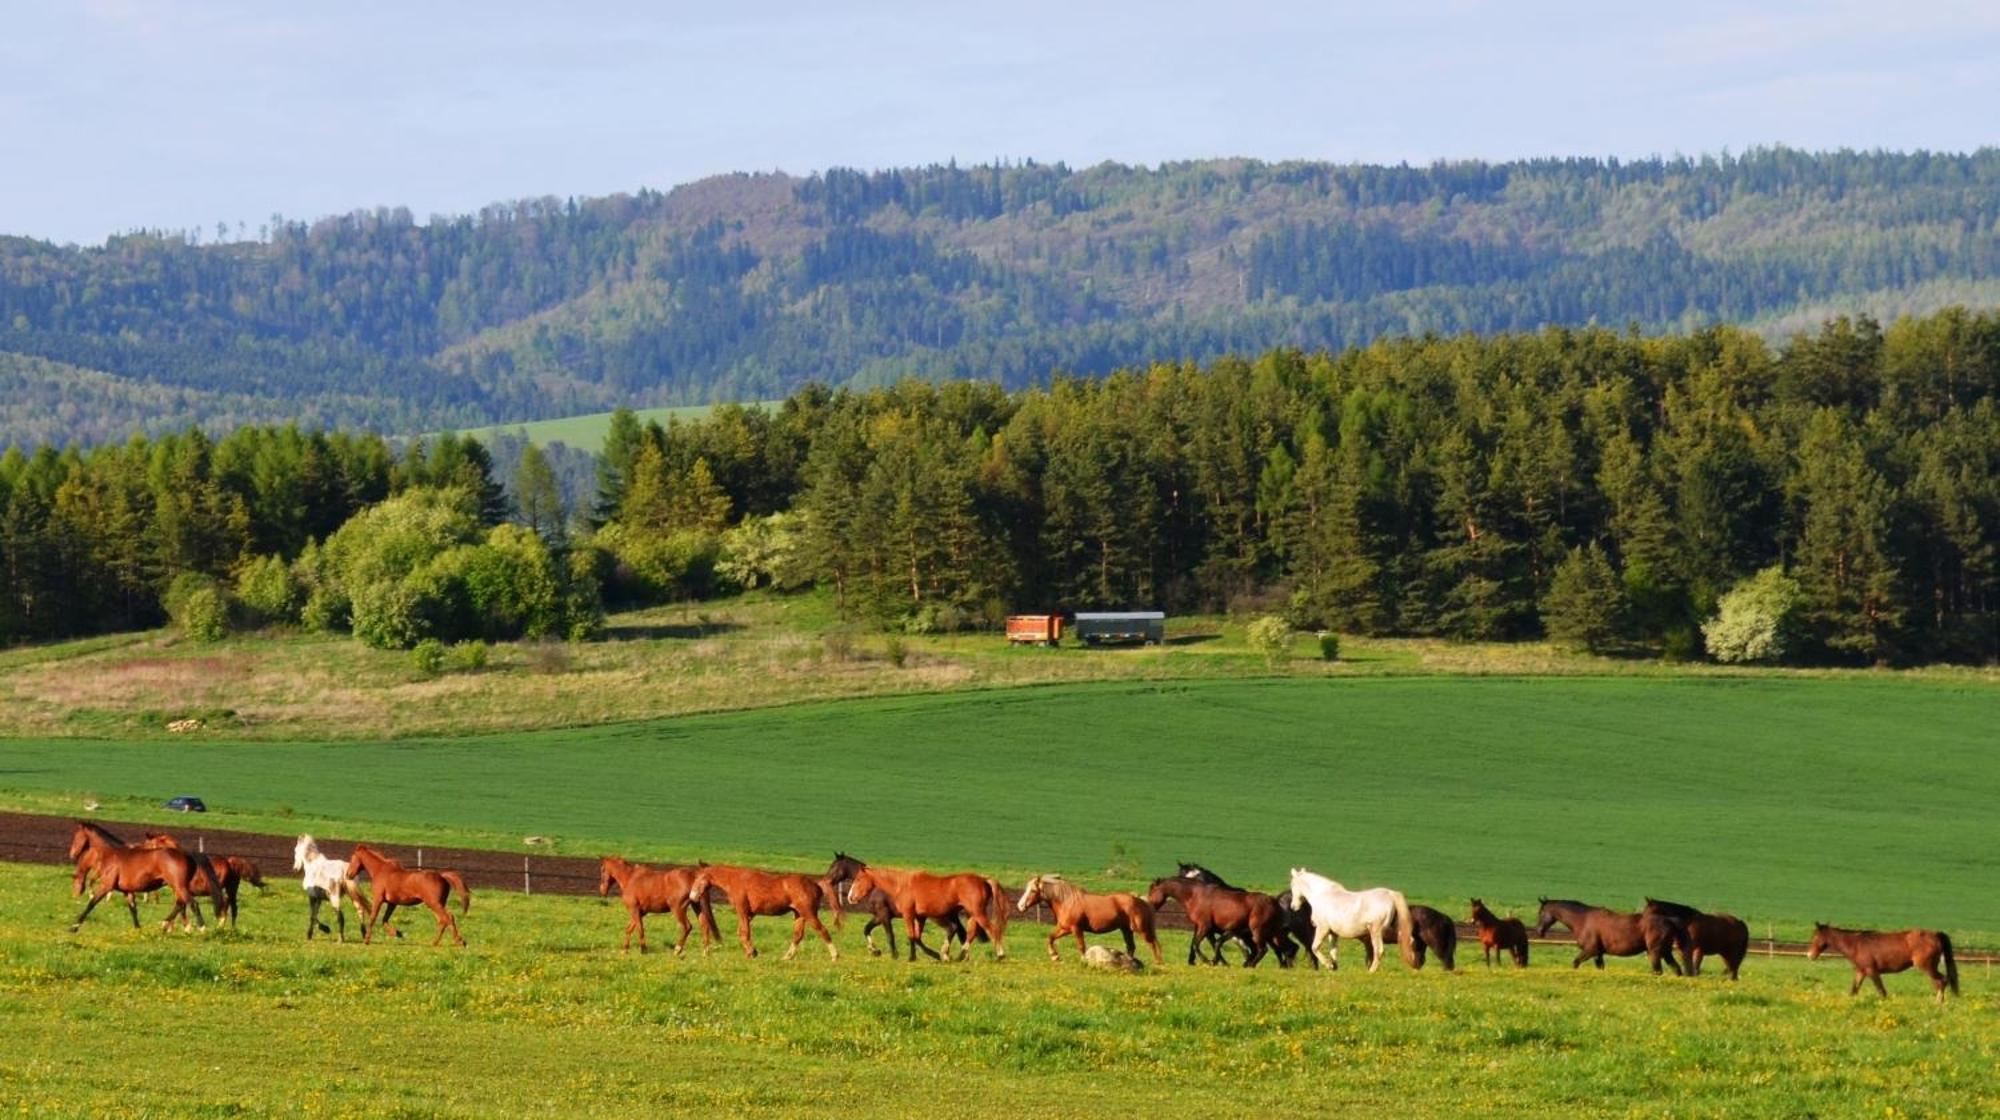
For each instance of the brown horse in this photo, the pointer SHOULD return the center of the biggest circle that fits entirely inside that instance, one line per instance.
(1725, 935)
(649, 890)
(132, 872)
(1436, 932)
(396, 885)
(1078, 912)
(1249, 915)
(921, 896)
(754, 892)
(1601, 932)
(1500, 935)
(1873, 953)
(229, 872)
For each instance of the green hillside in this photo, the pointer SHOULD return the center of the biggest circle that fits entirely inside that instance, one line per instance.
(586, 433)
(1769, 798)
(743, 287)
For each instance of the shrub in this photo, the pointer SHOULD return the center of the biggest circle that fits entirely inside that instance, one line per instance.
(548, 657)
(268, 590)
(896, 651)
(1757, 620)
(466, 657)
(655, 567)
(203, 614)
(427, 657)
(839, 645)
(763, 552)
(1272, 636)
(390, 616)
(1329, 646)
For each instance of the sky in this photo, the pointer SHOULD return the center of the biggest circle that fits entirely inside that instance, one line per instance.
(126, 114)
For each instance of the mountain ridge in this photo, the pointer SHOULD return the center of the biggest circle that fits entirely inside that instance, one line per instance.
(744, 286)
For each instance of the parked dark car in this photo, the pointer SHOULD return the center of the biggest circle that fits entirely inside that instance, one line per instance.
(186, 805)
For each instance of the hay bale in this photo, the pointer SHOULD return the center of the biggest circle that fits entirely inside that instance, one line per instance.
(1112, 960)
(183, 725)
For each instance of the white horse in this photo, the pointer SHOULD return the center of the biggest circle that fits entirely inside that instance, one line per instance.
(327, 879)
(1338, 912)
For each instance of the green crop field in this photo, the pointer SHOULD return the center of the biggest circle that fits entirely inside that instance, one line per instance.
(542, 1015)
(1784, 800)
(586, 432)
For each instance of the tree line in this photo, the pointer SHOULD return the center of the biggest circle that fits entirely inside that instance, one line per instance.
(1595, 486)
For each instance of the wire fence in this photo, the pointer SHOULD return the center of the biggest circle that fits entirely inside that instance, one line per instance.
(29, 838)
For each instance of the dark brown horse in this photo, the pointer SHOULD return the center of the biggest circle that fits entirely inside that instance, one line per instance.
(754, 892)
(396, 885)
(1078, 912)
(1249, 914)
(656, 890)
(1601, 932)
(919, 896)
(1436, 932)
(1295, 930)
(1873, 953)
(132, 872)
(1725, 935)
(1500, 935)
(230, 872)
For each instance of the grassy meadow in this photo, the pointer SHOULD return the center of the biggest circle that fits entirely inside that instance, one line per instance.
(1782, 799)
(543, 1016)
(586, 432)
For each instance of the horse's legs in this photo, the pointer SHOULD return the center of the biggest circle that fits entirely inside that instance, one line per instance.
(132, 907)
(1153, 943)
(1374, 948)
(743, 931)
(798, 935)
(1131, 947)
(312, 915)
(102, 890)
(913, 932)
(832, 950)
(634, 921)
(1877, 977)
(687, 931)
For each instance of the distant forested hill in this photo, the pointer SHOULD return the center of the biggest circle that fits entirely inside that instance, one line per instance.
(746, 286)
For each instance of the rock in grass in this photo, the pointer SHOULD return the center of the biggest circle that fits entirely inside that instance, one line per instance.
(1114, 960)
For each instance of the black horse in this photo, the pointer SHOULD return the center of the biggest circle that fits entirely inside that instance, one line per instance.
(1437, 933)
(1290, 937)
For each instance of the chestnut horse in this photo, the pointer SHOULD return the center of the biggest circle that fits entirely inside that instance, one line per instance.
(1873, 953)
(754, 892)
(230, 872)
(1500, 935)
(1725, 935)
(1250, 915)
(396, 885)
(920, 896)
(132, 872)
(1601, 932)
(1079, 912)
(648, 890)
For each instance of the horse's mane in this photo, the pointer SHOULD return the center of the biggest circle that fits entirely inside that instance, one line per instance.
(101, 832)
(1055, 888)
(1197, 871)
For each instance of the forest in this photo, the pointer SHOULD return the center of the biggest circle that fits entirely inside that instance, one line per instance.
(749, 287)
(1834, 500)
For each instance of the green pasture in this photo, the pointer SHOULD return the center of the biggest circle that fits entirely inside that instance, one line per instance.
(1784, 800)
(586, 432)
(541, 1015)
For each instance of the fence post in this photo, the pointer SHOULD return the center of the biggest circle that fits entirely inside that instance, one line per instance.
(527, 884)
(1770, 939)
(201, 844)
(420, 857)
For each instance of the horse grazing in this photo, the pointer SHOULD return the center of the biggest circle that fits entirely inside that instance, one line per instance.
(1601, 932)
(1436, 933)
(1247, 915)
(1725, 935)
(648, 890)
(1079, 912)
(1500, 935)
(135, 871)
(1295, 918)
(230, 872)
(1873, 953)
(396, 885)
(1338, 912)
(754, 892)
(325, 879)
(920, 895)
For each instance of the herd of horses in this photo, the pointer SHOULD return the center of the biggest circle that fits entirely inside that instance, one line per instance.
(1310, 917)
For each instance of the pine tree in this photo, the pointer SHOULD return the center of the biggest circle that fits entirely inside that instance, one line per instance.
(1584, 606)
(537, 495)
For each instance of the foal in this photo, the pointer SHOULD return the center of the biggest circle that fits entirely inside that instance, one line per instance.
(1498, 935)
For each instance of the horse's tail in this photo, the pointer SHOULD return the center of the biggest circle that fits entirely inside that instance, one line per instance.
(1406, 929)
(458, 884)
(1950, 961)
(832, 891)
(996, 909)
